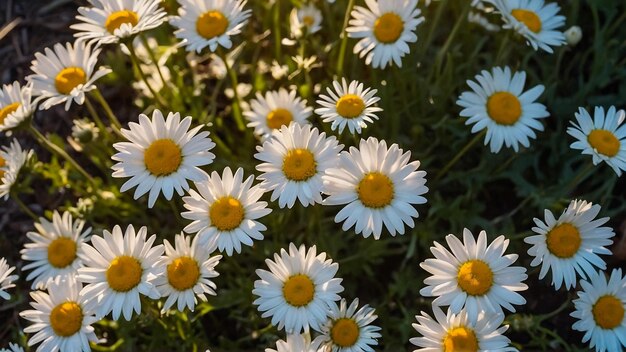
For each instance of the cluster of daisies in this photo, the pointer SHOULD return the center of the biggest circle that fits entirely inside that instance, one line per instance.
(80, 278)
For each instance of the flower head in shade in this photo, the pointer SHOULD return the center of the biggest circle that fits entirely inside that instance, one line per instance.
(298, 290)
(600, 311)
(569, 246)
(305, 20)
(187, 270)
(65, 74)
(55, 251)
(61, 319)
(474, 276)
(118, 268)
(162, 155)
(211, 23)
(6, 279)
(293, 162)
(535, 20)
(348, 329)
(109, 21)
(603, 136)
(276, 109)
(379, 186)
(384, 28)
(225, 211)
(455, 332)
(15, 106)
(13, 347)
(499, 104)
(348, 106)
(295, 343)
(12, 159)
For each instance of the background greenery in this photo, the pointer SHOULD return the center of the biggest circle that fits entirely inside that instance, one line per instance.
(499, 193)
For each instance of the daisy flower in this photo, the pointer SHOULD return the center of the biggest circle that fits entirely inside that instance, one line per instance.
(294, 343)
(533, 19)
(118, 268)
(379, 185)
(385, 28)
(6, 279)
(61, 319)
(15, 106)
(225, 210)
(293, 162)
(570, 244)
(109, 21)
(274, 110)
(305, 20)
(455, 332)
(474, 276)
(349, 330)
(55, 250)
(13, 347)
(188, 269)
(498, 104)
(600, 311)
(203, 23)
(603, 137)
(162, 155)
(298, 290)
(349, 105)
(12, 159)
(65, 74)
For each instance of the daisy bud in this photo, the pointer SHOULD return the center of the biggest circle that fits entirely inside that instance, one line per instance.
(573, 35)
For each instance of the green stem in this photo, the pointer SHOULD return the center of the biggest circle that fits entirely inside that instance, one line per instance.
(459, 155)
(137, 64)
(429, 37)
(107, 109)
(155, 61)
(582, 175)
(24, 207)
(236, 107)
(444, 49)
(344, 39)
(277, 37)
(504, 45)
(97, 120)
(53, 148)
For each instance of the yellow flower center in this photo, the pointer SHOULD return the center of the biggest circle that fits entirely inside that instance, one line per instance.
(604, 142)
(299, 290)
(388, 28)
(183, 273)
(278, 118)
(124, 273)
(69, 78)
(608, 312)
(9, 109)
(529, 18)
(118, 18)
(299, 165)
(345, 332)
(162, 157)
(66, 319)
(475, 277)
(350, 106)
(375, 190)
(226, 213)
(504, 108)
(2, 164)
(563, 241)
(308, 20)
(211, 24)
(461, 339)
(61, 252)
